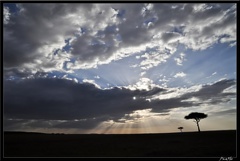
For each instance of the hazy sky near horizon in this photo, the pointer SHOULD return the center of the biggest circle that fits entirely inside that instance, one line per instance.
(118, 68)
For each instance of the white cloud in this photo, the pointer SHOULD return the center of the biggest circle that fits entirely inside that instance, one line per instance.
(179, 60)
(91, 82)
(192, 99)
(75, 80)
(6, 15)
(208, 25)
(199, 7)
(164, 80)
(214, 73)
(231, 89)
(97, 77)
(177, 92)
(143, 84)
(180, 74)
(142, 73)
(134, 65)
(233, 44)
(153, 58)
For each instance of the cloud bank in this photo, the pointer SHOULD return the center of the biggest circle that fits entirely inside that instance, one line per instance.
(65, 103)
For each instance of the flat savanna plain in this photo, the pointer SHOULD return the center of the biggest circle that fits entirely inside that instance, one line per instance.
(185, 144)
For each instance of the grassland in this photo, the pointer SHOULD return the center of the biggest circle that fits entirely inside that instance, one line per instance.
(186, 144)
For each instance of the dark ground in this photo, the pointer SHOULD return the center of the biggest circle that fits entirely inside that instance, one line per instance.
(186, 144)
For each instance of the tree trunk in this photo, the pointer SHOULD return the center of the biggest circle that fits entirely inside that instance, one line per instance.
(198, 127)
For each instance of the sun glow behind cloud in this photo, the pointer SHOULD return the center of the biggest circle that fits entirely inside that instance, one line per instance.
(118, 68)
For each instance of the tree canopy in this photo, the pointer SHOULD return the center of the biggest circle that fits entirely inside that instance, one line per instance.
(197, 117)
(180, 128)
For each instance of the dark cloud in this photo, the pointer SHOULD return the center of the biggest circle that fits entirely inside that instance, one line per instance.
(170, 36)
(19, 124)
(37, 26)
(82, 104)
(13, 124)
(57, 99)
(214, 92)
(89, 50)
(81, 124)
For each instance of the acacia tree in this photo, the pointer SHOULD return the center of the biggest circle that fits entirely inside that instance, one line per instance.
(180, 128)
(197, 117)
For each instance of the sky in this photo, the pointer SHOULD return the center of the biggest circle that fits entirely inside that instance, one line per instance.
(116, 68)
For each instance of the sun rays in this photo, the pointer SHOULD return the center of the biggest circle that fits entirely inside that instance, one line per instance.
(140, 121)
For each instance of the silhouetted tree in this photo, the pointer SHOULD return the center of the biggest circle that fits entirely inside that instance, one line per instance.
(180, 128)
(197, 117)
